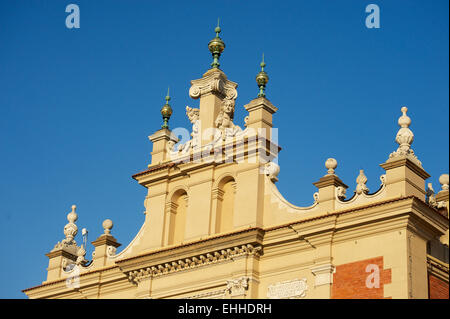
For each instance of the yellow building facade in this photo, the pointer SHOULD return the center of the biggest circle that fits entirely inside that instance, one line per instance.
(216, 225)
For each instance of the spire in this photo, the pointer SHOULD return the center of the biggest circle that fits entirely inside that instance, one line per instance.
(261, 79)
(166, 111)
(216, 47)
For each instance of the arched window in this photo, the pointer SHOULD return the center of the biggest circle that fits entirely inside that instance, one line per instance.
(225, 205)
(177, 217)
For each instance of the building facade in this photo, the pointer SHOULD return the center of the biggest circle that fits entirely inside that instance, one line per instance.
(216, 225)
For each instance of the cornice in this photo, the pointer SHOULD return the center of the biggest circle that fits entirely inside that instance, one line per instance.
(107, 240)
(404, 161)
(329, 180)
(193, 261)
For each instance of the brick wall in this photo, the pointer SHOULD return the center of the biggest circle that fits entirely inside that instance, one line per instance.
(363, 279)
(437, 289)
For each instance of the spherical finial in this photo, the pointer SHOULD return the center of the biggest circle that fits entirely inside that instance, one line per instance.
(261, 79)
(72, 216)
(331, 165)
(404, 120)
(444, 180)
(166, 111)
(216, 47)
(107, 226)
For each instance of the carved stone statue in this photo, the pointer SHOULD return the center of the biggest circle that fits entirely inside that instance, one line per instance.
(225, 118)
(194, 117)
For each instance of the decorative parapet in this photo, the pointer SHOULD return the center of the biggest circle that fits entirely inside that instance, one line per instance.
(361, 194)
(195, 261)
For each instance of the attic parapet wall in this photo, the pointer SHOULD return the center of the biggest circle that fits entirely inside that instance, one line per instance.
(252, 149)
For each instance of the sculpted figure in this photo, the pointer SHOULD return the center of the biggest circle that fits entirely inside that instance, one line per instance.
(194, 118)
(224, 120)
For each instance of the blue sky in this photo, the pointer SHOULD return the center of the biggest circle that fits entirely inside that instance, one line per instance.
(77, 105)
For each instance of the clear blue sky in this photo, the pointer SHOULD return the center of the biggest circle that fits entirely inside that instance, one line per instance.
(76, 106)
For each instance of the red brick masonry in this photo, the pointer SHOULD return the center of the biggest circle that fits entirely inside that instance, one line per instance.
(349, 280)
(437, 289)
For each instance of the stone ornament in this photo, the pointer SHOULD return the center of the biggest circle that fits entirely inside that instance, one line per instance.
(323, 274)
(383, 179)
(272, 170)
(111, 251)
(156, 270)
(237, 287)
(331, 165)
(224, 120)
(430, 196)
(70, 230)
(316, 197)
(216, 83)
(290, 289)
(194, 117)
(341, 192)
(107, 226)
(444, 181)
(404, 139)
(81, 252)
(361, 181)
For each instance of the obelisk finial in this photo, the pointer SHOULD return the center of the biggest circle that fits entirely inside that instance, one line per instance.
(216, 47)
(261, 79)
(166, 111)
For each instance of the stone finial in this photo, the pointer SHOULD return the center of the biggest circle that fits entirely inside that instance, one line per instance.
(444, 181)
(361, 181)
(81, 253)
(71, 230)
(404, 138)
(72, 217)
(107, 226)
(331, 165)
